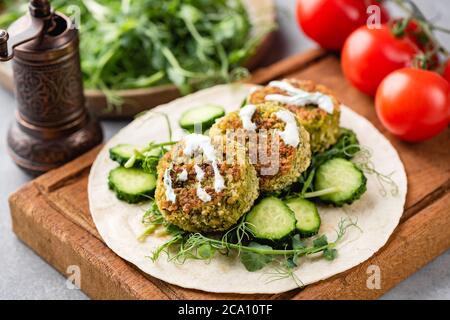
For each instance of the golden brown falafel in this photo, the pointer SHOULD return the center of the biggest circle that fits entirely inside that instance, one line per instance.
(291, 160)
(322, 126)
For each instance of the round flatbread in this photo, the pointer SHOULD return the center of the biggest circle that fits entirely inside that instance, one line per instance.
(119, 223)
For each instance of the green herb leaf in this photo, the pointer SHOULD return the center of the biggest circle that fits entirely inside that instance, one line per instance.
(330, 254)
(190, 13)
(297, 243)
(191, 44)
(320, 242)
(254, 256)
(205, 251)
(243, 103)
(290, 263)
(255, 261)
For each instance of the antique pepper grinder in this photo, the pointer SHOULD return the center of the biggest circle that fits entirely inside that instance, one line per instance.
(52, 124)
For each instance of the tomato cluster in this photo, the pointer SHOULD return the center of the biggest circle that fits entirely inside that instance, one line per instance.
(396, 62)
(369, 55)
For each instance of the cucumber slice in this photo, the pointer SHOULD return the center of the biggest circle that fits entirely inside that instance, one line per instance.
(204, 116)
(122, 153)
(131, 185)
(271, 219)
(344, 175)
(307, 216)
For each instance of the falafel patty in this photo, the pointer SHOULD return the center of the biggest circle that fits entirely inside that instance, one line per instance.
(316, 107)
(264, 126)
(200, 190)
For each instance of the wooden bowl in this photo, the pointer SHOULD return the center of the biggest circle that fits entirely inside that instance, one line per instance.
(262, 14)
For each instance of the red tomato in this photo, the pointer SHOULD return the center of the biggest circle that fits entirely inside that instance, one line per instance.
(413, 104)
(446, 76)
(330, 22)
(446, 73)
(369, 55)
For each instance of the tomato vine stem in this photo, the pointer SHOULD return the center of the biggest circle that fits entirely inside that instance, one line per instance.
(427, 27)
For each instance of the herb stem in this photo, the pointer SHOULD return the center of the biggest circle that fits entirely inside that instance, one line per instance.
(159, 145)
(320, 193)
(411, 9)
(308, 182)
(130, 163)
(150, 229)
(439, 28)
(303, 251)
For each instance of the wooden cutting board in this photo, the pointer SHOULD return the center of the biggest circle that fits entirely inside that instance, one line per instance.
(51, 215)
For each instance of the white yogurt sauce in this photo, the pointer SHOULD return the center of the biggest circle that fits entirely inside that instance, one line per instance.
(196, 142)
(219, 182)
(170, 193)
(300, 97)
(200, 174)
(290, 135)
(246, 113)
(183, 176)
(254, 89)
(202, 194)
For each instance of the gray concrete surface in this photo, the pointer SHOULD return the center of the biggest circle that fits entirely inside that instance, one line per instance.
(24, 275)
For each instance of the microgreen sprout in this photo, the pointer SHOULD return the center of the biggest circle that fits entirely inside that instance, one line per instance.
(185, 246)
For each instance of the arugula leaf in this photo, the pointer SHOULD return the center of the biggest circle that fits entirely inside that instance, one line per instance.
(255, 261)
(122, 45)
